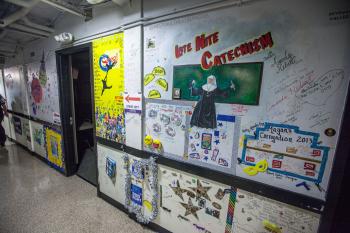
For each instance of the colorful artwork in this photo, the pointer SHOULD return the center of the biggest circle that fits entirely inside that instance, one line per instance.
(109, 87)
(155, 84)
(15, 87)
(42, 87)
(53, 140)
(141, 188)
(254, 213)
(191, 203)
(167, 123)
(214, 146)
(287, 152)
(237, 83)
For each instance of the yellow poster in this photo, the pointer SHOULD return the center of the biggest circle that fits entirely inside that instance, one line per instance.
(109, 87)
(54, 147)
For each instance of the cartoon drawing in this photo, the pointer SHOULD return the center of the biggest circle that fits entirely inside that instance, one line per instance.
(204, 114)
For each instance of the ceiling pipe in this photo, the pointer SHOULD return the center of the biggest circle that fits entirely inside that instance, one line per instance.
(23, 3)
(17, 15)
(37, 26)
(63, 6)
(27, 29)
(26, 32)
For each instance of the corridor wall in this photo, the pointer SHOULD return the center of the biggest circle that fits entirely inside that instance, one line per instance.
(234, 96)
(220, 117)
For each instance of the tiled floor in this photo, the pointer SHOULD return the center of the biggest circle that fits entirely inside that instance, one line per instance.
(36, 198)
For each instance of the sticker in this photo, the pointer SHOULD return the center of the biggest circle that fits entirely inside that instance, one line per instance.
(223, 162)
(215, 154)
(309, 166)
(136, 194)
(216, 205)
(291, 150)
(330, 132)
(162, 83)
(220, 194)
(148, 78)
(212, 212)
(158, 70)
(194, 156)
(276, 163)
(176, 93)
(154, 94)
(110, 167)
(206, 141)
(148, 205)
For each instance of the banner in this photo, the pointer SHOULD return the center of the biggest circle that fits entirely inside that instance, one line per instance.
(109, 87)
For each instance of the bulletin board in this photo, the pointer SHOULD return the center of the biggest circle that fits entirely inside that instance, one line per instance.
(108, 70)
(42, 88)
(281, 99)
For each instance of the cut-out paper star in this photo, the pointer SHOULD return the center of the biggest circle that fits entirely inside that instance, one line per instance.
(178, 190)
(220, 124)
(217, 142)
(190, 208)
(201, 191)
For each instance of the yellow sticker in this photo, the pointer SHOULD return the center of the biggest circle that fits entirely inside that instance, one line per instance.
(163, 84)
(148, 205)
(158, 70)
(148, 78)
(148, 140)
(250, 171)
(154, 94)
(271, 227)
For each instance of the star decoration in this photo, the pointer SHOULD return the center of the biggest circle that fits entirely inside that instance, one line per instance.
(217, 142)
(178, 190)
(201, 191)
(190, 208)
(220, 124)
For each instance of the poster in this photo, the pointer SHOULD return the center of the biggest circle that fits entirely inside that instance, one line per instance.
(42, 88)
(236, 83)
(303, 86)
(192, 204)
(17, 123)
(168, 124)
(214, 146)
(108, 65)
(112, 186)
(254, 213)
(15, 88)
(53, 141)
(38, 139)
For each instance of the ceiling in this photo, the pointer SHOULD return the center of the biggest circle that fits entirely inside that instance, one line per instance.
(22, 21)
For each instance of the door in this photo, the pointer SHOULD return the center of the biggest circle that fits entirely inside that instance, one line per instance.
(71, 122)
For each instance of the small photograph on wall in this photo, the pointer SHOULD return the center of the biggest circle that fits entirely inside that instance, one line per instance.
(237, 83)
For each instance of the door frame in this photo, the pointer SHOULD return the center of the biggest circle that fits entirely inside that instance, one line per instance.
(63, 63)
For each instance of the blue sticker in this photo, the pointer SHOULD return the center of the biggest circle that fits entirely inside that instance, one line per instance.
(216, 133)
(136, 194)
(110, 167)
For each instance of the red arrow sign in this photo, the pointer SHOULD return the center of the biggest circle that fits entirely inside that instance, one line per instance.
(128, 98)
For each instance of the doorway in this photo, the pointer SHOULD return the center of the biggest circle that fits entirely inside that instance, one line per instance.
(74, 67)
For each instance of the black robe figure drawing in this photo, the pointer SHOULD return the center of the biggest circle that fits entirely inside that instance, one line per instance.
(104, 81)
(204, 114)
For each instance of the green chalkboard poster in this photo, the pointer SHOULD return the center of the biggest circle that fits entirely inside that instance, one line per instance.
(237, 83)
